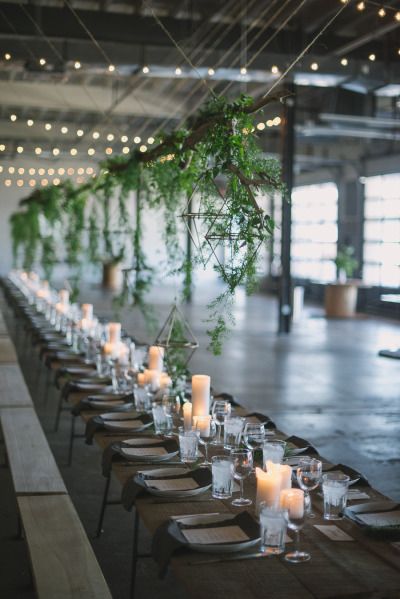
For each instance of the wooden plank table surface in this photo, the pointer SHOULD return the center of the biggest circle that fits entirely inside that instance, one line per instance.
(13, 390)
(33, 467)
(63, 561)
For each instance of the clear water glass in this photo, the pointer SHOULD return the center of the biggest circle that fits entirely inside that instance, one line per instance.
(273, 526)
(296, 507)
(220, 410)
(309, 472)
(273, 451)
(222, 476)
(242, 468)
(334, 488)
(188, 445)
(254, 436)
(233, 428)
(172, 408)
(162, 423)
(206, 435)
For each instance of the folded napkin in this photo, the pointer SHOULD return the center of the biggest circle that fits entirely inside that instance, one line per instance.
(113, 454)
(387, 531)
(84, 404)
(300, 443)
(64, 356)
(168, 538)
(263, 419)
(96, 424)
(79, 387)
(363, 482)
(133, 488)
(73, 372)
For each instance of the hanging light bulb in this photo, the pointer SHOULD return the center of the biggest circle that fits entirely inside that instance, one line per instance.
(108, 151)
(382, 12)
(32, 182)
(143, 148)
(56, 181)
(79, 132)
(21, 170)
(95, 135)
(178, 71)
(77, 65)
(20, 149)
(91, 151)
(48, 126)
(110, 137)
(44, 182)
(20, 182)
(397, 16)
(32, 171)
(29, 122)
(211, 72)
(42, 62)
(56, 151)
(11, 170)
(124, 139)
(64, 130)
(261, 126)
(372, 57)
(344, 62)
(145, 69)
(125, 150)
(314, 66)
(137, 139)
(243, 71)
(13, 117)
(111, 68)
(274, 69)
(8, 182)
(73, 151)
(150, 140)
(361, 6)
(2, 147)
(38, 151)
(7, 56)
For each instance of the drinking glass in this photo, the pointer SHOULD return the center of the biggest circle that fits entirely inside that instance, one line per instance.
(273, 525)
(293, 500)
(242, 467)
(273, 451)
(254, 436)
(222, 476)
(309, 472)
(233, 427)
(207, 430)
(172, 408)
(161, 421)
(334, 488)
(188, 444)
(220, 409)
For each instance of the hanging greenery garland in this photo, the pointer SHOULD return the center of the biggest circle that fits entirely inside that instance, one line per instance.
(217, 149)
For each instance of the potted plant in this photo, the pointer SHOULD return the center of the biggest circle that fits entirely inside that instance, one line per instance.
(341, 296)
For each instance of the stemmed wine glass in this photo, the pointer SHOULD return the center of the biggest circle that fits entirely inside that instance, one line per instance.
(207, 430)
(242, 467)
(293, 500)
(309, 472)
(220, 409)
(254, 436)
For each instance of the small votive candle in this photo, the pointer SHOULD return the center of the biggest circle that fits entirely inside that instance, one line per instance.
(202, 424)
(187, 416)
(293, 501)
(141, 379)
(87, 311)
(268, 488)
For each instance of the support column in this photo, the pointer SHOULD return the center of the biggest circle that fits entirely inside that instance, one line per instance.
(288, 151)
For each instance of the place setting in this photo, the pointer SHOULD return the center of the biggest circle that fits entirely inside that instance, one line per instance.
(117, 422)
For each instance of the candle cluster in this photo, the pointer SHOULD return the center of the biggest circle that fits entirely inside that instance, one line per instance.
(270, 484)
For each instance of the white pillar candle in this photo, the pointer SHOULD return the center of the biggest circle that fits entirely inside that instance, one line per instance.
(293, 501)
(187, 416)
(201, 394)
(141, 379)
(61, 307)
(87, 311)
(165, 381)
(268, 488)
(156, 356)
(110, 350)
(153, 379)
(114, 332)
(202, 424)
(63, 294)
(286, 476)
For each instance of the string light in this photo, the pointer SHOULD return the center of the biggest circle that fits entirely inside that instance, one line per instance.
(137, 139)
(397, 16)
(32, 182)
(270, 123)
(61, 171)
(50, 171)
(80, 171)
(20, 149)
(77, 65)
(21, 170)
(41, 172)
(111, 68)
(70, 171)
(7, 182)
(274, 69)
(56, 151)
(372, 57)
(361, 6)
(143, 148)
(38, 151)
(42, 62)
(243, 71)
(44, 182)
(382, 12)
(64, 130)
(314, 66)
(96, 135)
(178, 71)
(20, 182)
(48, 126)
(108, 151)
(91, 151)
(89, 170)
(13, 117)
(211, 72)
(261, 126)
(56, 181)
(344, 62)
(7, 56)
(32, 171)
(125, 150)
(29, 122)
(11, 170)
(145, 69)
(124, 139)
(150, 140)
(2, 147)
(277, 121)
(73, 151)
(1, 169)
(79, 132)
(110, 137)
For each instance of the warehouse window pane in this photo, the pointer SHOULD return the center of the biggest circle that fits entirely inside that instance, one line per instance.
(314, 231)
(382, 231)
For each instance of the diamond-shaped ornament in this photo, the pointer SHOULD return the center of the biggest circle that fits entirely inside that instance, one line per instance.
(176, 336)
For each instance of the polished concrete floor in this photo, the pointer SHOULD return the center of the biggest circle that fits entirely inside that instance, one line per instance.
(324, 382)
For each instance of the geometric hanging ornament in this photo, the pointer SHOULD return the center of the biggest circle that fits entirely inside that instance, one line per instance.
(176, 336)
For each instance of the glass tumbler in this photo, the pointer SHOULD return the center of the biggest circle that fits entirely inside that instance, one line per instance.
(334, 488)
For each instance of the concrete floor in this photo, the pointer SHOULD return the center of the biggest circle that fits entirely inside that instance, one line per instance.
(323, 382)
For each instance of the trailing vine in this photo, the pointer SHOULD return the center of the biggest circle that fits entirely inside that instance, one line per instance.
(216, 162)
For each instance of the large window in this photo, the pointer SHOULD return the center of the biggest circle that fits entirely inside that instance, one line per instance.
(314, 231)
(382, 231)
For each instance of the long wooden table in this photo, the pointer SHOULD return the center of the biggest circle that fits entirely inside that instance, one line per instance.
(359, 569)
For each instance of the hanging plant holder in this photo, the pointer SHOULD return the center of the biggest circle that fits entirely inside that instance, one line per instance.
(177, 339)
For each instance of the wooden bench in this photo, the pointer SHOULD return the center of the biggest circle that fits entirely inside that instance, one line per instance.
(13, 390)
(33, 467)
(63, 561)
